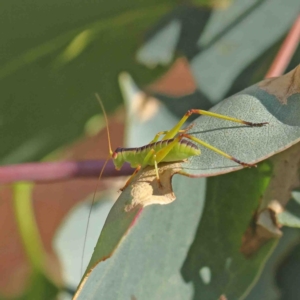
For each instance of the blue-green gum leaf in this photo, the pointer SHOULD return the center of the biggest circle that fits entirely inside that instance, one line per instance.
(231, 202)
(291, 216)
(206, 262)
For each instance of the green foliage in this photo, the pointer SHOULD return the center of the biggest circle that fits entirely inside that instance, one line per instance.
(53, 60)
(231, 201)
(291, 216)
(52, 66)
(39, 285)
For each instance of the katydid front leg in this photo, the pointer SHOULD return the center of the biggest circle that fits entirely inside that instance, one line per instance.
(171, 133)
(202, 143)
(130, 178)
(146, 160)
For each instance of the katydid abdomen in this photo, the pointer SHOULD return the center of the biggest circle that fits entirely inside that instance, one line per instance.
(136, 156)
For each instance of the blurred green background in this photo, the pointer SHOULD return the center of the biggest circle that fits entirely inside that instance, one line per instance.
(55, 55)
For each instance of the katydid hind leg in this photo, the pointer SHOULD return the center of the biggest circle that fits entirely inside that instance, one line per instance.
(202, 143)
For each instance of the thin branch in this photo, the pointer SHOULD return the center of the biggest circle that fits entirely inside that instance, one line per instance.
(57, 171)
(286, 51)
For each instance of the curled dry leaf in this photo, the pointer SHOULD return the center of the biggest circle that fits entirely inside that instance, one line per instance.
(145, 189)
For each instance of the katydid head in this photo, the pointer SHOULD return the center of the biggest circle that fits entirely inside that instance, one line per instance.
(118, 159)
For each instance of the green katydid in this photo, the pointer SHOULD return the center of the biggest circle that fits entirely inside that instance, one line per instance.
(175, 145)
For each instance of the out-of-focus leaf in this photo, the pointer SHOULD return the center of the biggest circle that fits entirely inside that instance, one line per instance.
(50, 71)
(70, 239)
(228, 49)
(27, 225)
(146, 116)
(291, 215)
(235, 39)
(162, 46)
(267, 286)
(288, 274)
(213, 3)
(40, 288)
(41, 283)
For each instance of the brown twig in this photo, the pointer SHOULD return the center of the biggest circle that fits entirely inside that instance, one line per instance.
(57, 171)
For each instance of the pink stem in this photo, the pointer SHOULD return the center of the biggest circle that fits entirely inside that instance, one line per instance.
(286, 51)
(54, 171)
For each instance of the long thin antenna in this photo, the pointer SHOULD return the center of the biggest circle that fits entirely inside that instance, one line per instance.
(106, 121)
(100, 175)
(89, 216)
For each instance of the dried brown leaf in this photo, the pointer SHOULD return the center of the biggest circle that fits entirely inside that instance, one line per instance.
(284, 86)
(145, 189)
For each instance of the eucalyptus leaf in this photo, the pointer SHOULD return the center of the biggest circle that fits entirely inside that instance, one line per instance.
(238, 257)
(165, 250)
(291, 215)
